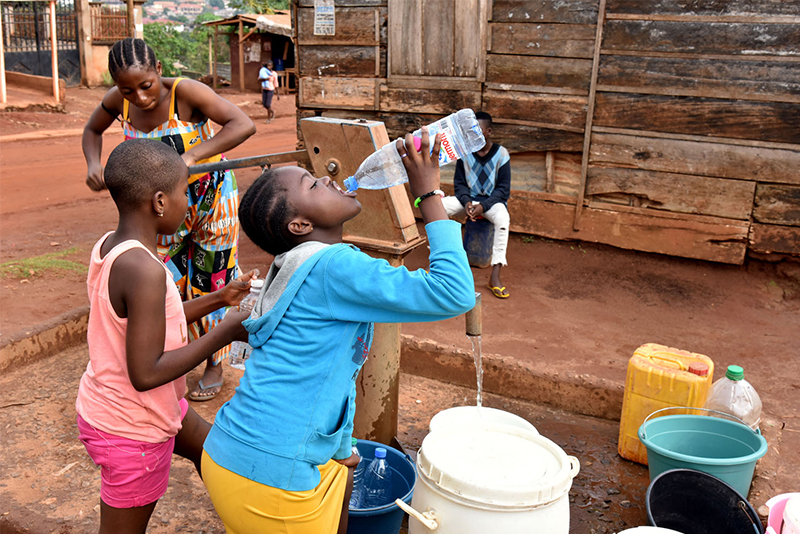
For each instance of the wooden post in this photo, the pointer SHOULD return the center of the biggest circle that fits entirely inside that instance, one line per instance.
(210, 54)
(587, 132)
(241, 57)
(214, 66)
(3, 96)
(54, 49)
(386, 229)
(85, 50)
(131, 18)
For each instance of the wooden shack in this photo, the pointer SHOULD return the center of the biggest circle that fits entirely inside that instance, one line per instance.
(251, 47)
(668, 126)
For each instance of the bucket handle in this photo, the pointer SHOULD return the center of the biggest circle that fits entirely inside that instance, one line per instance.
(644, 435)
(426, 518)
(575, 466)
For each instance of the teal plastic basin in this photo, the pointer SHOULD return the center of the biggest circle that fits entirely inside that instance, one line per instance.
(725, 449)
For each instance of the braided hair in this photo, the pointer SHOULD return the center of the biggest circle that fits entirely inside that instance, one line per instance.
(264, 214)
(130, 52)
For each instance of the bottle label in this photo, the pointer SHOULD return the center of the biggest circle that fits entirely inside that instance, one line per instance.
(447, 154)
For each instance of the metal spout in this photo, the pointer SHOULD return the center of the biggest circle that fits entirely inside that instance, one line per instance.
(475, 318)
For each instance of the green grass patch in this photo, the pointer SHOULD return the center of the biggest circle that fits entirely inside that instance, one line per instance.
(37, 265)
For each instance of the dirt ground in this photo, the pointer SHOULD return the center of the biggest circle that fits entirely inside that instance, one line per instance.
(51, 486)
(574, 307)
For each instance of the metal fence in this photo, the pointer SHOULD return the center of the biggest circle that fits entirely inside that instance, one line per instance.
(26, 26)
(109, 22)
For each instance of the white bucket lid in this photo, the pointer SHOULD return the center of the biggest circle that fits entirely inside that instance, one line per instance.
(502, 465)
(791, 516)
(477, 416)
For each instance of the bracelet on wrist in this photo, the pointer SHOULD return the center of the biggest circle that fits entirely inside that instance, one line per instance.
(428, 194)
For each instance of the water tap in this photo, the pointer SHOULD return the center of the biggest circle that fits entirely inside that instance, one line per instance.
(474, 318)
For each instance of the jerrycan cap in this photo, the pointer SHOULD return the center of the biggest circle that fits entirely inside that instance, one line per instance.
(698, 368)
(734, 373)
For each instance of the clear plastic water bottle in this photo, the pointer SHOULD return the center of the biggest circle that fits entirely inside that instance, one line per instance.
(240, 350)
(358, 479)
(377, 482)
(461, 135)
(734, 395)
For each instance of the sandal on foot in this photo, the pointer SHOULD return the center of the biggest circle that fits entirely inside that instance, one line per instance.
(195, 395)
(499, 292)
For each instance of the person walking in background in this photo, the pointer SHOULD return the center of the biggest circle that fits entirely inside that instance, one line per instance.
(203, 254)
(482, 184)
(269, 86)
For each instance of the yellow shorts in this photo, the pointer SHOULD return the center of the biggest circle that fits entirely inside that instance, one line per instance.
(247, 507)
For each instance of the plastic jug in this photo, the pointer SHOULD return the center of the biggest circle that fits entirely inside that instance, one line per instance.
(659, 377)
(734, 395)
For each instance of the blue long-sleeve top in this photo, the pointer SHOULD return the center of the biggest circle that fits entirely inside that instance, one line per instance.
(294, 407)
(485, 179)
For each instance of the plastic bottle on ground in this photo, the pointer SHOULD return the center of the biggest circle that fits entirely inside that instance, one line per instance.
(240, 351)
(358, 479)
(461, 135)
(734, 395)
(377, 482)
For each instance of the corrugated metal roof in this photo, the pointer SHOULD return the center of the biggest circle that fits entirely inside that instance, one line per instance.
(280, 23)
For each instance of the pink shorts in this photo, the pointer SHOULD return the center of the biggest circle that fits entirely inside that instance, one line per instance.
(133, 473)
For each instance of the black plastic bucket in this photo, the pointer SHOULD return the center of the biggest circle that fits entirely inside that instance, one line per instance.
(694, 502)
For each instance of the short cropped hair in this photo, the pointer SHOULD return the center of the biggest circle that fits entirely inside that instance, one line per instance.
(264, 214)
(483, 116)
(138, 168)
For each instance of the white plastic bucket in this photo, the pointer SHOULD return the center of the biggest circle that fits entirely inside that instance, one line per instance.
(473, 480)
(477, 416)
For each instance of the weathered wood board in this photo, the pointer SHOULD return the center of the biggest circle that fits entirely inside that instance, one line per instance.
(571, 12)
(702, 38)
(695, 158)
(680, 193)
(557, 40)
(763, 121)
(541, 108)
(777, 204)
(539, 71)
(703, 7)
(437, 56)
(690, 236)
(774, 239)
(355, 26)
(357, 93)
(337, 61)
(410, 100)
(517, 138)
(405, 41)
(717, 78)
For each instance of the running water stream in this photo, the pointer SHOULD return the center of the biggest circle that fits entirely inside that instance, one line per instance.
(478, 358)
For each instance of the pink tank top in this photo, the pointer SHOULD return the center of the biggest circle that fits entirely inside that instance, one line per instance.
(106, 398)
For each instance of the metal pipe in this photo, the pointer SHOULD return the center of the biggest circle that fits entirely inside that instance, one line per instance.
(253, 161)
(474, 318)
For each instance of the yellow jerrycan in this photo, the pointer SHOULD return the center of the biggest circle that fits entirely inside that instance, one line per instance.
(659, 377)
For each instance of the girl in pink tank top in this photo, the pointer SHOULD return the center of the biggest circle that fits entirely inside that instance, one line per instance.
(131, 411)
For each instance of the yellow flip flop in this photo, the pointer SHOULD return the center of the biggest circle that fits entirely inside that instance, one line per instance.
(498, 291)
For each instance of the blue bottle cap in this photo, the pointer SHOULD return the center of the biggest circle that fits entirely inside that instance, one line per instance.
(380, 452)
(350, 184)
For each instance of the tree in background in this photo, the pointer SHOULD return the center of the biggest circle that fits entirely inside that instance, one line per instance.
(188, 48)
(260, 7)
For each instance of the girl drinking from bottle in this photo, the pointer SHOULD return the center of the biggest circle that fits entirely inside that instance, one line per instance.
(202, 253)
(277, 457)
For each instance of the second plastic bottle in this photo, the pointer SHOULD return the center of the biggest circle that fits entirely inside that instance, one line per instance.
(377, 482)
(240, 350)
(734, 395)
(461, 135)
(357, 496)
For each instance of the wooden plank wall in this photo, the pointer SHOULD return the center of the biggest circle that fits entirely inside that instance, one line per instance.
(695, 143)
